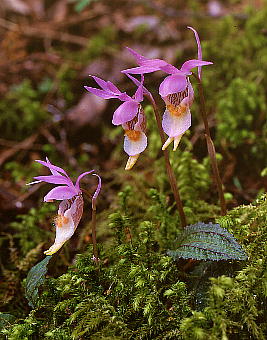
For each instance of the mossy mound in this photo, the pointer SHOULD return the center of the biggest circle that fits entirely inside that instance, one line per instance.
(138, 292)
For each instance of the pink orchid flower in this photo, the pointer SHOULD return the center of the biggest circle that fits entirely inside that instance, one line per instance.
(71, 208)
(130, 115)
(176, 91)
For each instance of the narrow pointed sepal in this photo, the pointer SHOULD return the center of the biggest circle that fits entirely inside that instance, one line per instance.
(131, 162)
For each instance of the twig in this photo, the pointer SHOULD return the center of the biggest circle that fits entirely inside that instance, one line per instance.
(46, 33)
(25, 144)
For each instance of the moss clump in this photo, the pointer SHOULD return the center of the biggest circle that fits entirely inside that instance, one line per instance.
(140, 293)
(238, 96)
(236, 307)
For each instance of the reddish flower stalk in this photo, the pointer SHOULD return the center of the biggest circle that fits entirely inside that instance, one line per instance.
(210, 146)
(169, 169)
(95, 251)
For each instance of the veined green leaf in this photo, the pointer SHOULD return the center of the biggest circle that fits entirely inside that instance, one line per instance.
(202, 241)
(35, 278)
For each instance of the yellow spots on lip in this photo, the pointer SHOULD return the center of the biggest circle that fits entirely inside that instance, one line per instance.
(176, 111)
(133, 135)
(60, 220)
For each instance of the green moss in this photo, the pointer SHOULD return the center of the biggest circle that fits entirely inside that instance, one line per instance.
(102, 42)
(236, 306)
(140, 293)
(238, 83)
(21, 111)
(64, 77)
(235, 118)
(28, 227)
(19, 172)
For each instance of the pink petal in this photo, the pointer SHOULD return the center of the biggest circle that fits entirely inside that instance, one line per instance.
(189, 64)
(60, 193)
(125, 112)
(112, 87)
(186, 102)
(199, 49)
(190, 93)
(158, 63)
(138, 83)
(77, 184)
(141, 122)
(141, 69)
(107, 85)
(63, 233)
(77, 210)
(102, 83)
(75, 207)
(101, 93)
(96, 193)
(139, 94)
(138, 57)
(174, 126)
(124, 97)
(52, 167)
(54, 179)
(155, 64)
(54, 172)
(172, 84)
(170, 69)
(133, 148)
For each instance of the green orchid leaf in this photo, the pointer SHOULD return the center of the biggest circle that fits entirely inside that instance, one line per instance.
(202, 241)
(35, 278)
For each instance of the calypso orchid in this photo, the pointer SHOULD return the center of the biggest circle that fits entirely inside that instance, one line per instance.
(130, 115)
(70, 210)
(176, 91)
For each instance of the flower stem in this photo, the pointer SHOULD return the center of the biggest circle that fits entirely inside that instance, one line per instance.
(210, 145)
(93, 200)
(95, 252)
(169, 169)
